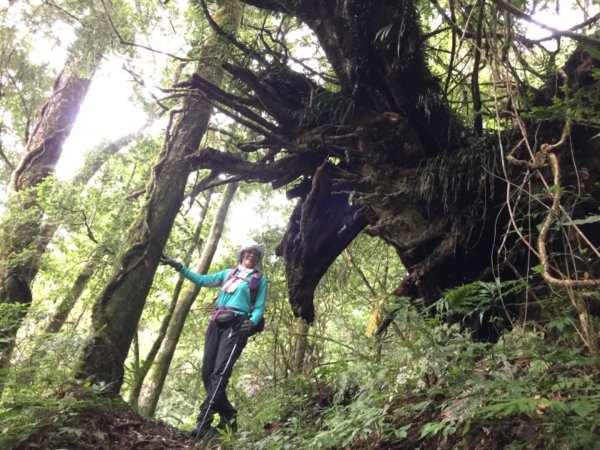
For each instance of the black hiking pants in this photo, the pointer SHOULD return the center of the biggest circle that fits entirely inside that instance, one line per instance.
(222, 347)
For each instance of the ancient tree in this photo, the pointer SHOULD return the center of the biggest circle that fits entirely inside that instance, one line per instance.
(374, 146)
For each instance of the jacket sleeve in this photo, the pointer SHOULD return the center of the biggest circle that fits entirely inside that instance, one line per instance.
(261, 297)
(210, 280)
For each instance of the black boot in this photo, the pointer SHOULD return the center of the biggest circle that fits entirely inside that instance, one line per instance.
(203, 428)
(203, 432)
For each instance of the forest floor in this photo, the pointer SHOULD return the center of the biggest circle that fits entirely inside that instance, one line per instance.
(113, 425)
(109, 426)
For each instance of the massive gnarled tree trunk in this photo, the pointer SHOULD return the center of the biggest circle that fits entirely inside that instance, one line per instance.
(385, 154)
(118, 309)
(23, 242)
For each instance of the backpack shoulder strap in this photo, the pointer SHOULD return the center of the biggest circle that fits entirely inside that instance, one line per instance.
(254, 282)
(257, 274)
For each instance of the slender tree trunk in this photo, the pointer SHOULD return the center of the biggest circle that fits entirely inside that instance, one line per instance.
(147, 405)
(68, 302)
(140, 373)
(23, 243)
(117, 311)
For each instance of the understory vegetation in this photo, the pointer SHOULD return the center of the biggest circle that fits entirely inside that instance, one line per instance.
(442, 391)
(424, 383)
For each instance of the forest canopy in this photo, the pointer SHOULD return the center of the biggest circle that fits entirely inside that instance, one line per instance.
(440, 163)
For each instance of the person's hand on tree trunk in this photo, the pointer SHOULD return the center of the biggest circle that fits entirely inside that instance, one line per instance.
(171, 262)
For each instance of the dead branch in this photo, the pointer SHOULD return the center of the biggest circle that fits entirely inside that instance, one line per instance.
(291, 166)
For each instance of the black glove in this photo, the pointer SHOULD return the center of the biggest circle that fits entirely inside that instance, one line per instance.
(246, 326)
(171, 262)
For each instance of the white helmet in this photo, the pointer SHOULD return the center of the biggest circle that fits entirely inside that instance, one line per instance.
(252, 246)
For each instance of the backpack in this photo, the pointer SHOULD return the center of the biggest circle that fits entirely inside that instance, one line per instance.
(253, 283)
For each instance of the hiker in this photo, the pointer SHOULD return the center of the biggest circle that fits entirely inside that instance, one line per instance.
(238, 313)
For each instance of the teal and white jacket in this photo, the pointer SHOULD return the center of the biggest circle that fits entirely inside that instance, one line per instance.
(240, 299)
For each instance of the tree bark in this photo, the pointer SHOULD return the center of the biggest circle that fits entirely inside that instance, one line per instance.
(117, 311)
(23, 242)
(139, 373)
(301, 348)
(163, 361)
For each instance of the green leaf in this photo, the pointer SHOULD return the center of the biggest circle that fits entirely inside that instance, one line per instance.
(590, 219)
(431, 429)
(583, 408)
(78, 432)
(402, 432)
(421, 406)
(510, 407)
(593, 51)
